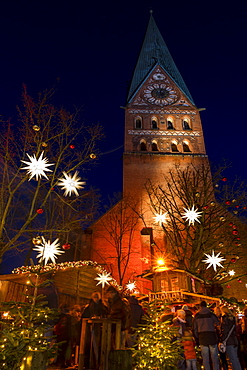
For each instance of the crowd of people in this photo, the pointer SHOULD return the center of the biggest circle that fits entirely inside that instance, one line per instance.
(115, 307)
(213, 337)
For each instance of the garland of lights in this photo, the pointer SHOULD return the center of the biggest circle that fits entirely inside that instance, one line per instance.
(50, 267)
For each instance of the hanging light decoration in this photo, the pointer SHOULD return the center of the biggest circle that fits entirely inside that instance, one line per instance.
(213, 260)
(103, 278)
(161, 218)
(37, 167)
(71, 183)
(131, 286)
(192, 215)
(48, 251)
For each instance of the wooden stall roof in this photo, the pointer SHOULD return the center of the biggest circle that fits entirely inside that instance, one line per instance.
(74, 281)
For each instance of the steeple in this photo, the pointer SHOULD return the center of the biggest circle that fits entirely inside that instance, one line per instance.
(155, 52)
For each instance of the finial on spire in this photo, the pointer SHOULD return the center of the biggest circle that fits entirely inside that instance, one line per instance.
(150, 11)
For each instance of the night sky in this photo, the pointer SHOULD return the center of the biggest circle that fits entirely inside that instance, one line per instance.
(92, 49)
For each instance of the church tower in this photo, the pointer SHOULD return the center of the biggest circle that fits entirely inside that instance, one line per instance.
(162, 123)
(162, 129)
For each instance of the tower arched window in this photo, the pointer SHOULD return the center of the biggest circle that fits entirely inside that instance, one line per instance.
(143, 146)
(138, 123)
(154, 147)
(186, 147)
(174, 147)
(154, 123)
(186, 124)
(170, 125)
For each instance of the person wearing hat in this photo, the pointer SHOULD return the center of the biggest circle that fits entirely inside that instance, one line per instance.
(188, 316)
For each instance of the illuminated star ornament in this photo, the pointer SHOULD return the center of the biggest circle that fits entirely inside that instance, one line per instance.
(160, 218)
(71, 183)
(192, 215)
(131, 286)
(37, 167)
(231, 272)
(103, 278)
(214, 260)
(48, 251)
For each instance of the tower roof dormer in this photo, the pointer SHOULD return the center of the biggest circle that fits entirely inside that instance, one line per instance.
(154, 51)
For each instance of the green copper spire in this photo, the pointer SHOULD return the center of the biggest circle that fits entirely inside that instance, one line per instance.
(154, 51)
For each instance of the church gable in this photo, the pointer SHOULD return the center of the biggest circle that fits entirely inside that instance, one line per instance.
(160, 91)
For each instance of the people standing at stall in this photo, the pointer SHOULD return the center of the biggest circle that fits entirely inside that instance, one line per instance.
(204, 325)
(179, 322)
(136, 314)
(188, 343)
(118, 309)
(94, 309)
(188, 316)
(229, 336)
(67, 330)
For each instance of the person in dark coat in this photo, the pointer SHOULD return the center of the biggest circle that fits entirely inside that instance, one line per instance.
(204, 326)
(228, 321)
(95, 307)
(67, 330)
(136, 314)
(119, 309)
(188, 316)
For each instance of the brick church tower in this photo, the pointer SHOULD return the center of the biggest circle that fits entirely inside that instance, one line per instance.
(162, 129)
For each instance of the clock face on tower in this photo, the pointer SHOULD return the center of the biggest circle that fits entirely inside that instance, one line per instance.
(160, 94)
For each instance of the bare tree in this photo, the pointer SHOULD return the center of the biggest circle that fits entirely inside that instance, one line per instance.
(29, 207)
(220, 226)
(117, 227)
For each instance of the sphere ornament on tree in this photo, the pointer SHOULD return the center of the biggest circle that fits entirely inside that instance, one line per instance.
(40, 211)
(36, 128)
(66, 246)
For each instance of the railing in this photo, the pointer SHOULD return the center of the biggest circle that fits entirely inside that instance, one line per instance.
(96, 342)
(180, 295)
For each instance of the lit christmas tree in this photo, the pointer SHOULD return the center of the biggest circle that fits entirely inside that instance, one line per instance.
(24, 339)
(157, 346)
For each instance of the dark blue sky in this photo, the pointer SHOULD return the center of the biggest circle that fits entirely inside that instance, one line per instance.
(92, 48)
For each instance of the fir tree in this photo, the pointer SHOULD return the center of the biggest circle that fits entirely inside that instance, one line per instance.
(24, 330)
(157, 346)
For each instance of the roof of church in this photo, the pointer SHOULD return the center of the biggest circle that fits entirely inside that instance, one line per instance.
(154, 51)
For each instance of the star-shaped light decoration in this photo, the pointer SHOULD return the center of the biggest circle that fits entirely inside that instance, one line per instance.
(160, 218)
(71, 183)
(192, 215)
(231, 272)
(103, 278)
(213, 260)
(131, 286)
(37, 167)
(48, 251)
